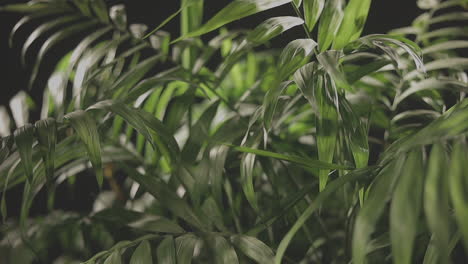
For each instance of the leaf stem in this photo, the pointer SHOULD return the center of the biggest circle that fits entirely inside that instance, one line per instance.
(298, 13)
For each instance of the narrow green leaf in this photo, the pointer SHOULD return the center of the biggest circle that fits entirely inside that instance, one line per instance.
(294, 55)
(309, 163)
(405, 209)
(446, 63)
(312, 11)
(166, 251)
(445, 45)
(379, 193)
(142, 254)
(86, 129)
(297, 3)
(436, 204)
(330, 60)
(100, 9)
(233, 11)
(330, 23)
(185, 246)
(214, 214)
(46, 130)
(353, 22)
(316, 203)
(24, 138)
(253, 248)
(458, 188)
(246, 170)
(223, 252)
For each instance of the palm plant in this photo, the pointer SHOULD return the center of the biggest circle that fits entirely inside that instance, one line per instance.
(262, 155)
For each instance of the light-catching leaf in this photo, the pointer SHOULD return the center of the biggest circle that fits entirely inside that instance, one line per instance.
(185, 246)
(312, 11)
(330, 23)
(353, 22)
(223, 252)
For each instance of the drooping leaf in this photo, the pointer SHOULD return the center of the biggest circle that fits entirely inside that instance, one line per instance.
(233, 11)
(246, 170)
(436, 204)
(24, 138)
(142, 254)
(166, 251)
(46, 130)
(405, 208)
(380, 192)
(86, 129)
(253, 248)
(458, 186)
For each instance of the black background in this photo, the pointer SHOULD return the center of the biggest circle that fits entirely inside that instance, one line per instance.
(384, 15)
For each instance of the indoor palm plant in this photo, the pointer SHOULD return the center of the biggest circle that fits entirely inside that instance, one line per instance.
(262, 155)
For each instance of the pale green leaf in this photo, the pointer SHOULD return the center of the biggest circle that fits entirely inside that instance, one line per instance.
(330, 22)
(312, 11)
(353, 22)
(142, 254)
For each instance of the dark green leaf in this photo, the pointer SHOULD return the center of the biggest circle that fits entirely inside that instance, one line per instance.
(223, 252)
(185, 246)
(253, 248)
(142, 254)
(405, 208)
(86, 129)
(166, 251)
(47, 137)
(24, 138)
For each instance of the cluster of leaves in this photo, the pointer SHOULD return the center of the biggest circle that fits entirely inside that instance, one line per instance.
(226, 163)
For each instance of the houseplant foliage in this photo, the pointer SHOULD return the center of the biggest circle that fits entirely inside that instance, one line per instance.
(261, 156)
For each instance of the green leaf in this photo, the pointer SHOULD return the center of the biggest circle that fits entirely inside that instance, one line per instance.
(166, 251)
(306, 162)
(355, 17)
(405, 208)
(458, 187)
(233, 11)
(356, 134)
(297, 3)
(114, 258)
(213, 213)
(185, 246)
(86, 129)
(246, 171)
(222, 250)
(162, 192)
(133, 76)
(100, 9)
(436, 204)
(312, 11)
(272, 27)
(379, 193)
(445, 45)
(24, 137)
(159, 224)
(330, 23)
(253, 248)
(316, 203)
(448, 63)
(46, 130)
(142, 254)
(294, 55)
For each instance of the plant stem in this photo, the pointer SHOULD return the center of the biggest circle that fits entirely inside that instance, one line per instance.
(298, 13)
